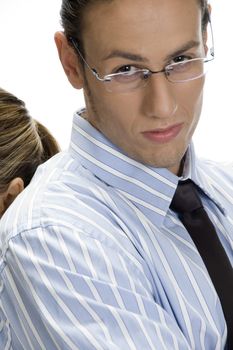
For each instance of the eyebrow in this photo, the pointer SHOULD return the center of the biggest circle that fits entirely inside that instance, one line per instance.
(187, 46)
(125, 54)
(138, 58)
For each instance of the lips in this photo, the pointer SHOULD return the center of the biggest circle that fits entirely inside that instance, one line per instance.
(163, 135)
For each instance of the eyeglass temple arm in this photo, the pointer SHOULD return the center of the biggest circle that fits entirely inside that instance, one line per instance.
(94, 71)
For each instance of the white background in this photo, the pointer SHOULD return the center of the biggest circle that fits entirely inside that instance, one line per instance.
(30, 68)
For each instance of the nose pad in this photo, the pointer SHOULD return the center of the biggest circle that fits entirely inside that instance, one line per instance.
(159, 98)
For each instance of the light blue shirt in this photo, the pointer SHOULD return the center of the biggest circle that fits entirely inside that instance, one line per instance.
(93, 258)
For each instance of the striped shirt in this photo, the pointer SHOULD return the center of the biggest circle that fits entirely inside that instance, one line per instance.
(92, 258)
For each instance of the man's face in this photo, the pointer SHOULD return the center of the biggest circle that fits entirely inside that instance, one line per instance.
(152, 124)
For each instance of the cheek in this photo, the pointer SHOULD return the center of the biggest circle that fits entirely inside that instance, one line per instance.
(190, 98)
(118, 111)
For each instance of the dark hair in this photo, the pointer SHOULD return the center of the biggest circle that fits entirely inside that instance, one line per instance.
(72, 15)
(24, 142)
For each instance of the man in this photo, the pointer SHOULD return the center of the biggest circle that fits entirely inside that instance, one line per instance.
(95, 254)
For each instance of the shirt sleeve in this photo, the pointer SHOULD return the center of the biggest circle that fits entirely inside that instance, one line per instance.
(65, 289)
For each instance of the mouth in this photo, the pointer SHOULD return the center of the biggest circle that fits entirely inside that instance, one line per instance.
(163, 135)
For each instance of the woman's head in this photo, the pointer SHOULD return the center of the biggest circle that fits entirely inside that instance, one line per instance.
(24, 144)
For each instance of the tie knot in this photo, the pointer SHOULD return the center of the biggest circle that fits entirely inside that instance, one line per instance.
(186, 198)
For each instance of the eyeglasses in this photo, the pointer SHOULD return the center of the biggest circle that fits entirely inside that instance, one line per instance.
(131, 78)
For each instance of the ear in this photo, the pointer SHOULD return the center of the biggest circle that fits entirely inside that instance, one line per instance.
(205, 35)
(209, 9)
(6, 198)
(69, 60)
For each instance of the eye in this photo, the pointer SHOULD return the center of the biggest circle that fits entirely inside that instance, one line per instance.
(129, 74)
(126, 69)
(181, 58)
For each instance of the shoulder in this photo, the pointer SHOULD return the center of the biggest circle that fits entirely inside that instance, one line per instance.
(62, 194)
(55, 189)
(69, 208)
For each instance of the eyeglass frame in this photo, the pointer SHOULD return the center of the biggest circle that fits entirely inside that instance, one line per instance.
(146, 71)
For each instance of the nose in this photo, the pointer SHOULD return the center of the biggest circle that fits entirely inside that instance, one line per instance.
(159, 97)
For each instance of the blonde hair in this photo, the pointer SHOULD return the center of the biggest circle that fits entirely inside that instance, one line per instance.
(24, 142)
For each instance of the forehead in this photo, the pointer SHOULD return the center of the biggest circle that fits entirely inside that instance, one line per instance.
(137, 26)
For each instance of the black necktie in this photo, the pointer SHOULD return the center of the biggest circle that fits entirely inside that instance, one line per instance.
(187, 204)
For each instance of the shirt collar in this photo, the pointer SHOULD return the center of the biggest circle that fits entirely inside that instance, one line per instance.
(192, 171)
(150, 189)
